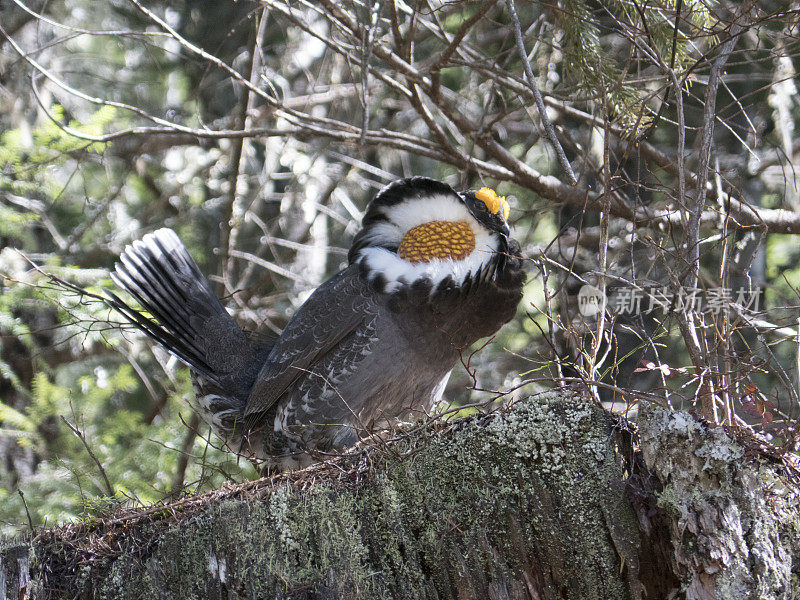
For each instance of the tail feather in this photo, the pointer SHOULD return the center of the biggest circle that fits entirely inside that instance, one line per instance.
(132, 266)
(185, 316)
(138, 273)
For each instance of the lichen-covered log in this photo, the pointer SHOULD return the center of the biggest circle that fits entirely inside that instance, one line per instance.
(733, 518)
(546, 499)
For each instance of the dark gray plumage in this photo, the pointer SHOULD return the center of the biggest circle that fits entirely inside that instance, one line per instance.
(375, 342)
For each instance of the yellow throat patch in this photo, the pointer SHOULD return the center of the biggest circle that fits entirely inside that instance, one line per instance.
(437, 239)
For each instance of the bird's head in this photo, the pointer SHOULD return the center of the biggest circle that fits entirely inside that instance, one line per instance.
(420, 227)
(489, 209)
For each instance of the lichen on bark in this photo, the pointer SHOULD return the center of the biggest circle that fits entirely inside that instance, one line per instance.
(547, 498)
(734, 518)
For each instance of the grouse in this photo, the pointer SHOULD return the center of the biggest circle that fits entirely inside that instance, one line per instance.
(430, 272)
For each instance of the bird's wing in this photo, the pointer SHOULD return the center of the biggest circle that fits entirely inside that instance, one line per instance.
(334, 311)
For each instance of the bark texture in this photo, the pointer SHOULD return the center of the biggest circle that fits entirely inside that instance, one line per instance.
(547, 499)
(733, 517)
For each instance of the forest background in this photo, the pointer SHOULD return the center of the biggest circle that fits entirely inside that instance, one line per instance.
(648, 148)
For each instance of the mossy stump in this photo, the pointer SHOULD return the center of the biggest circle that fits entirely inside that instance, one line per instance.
(546, 499)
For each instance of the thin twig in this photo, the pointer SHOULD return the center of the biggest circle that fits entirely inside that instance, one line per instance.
(233, 219)
(366, 52)
(549, 131)
(27, 512)
(687, 324)
(82, 438)
(179, 478)
(707, 137)
(454, 44)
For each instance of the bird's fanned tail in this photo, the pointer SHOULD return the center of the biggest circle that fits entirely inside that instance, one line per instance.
(185, 317)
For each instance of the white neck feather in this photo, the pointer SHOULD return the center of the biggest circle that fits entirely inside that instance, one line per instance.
(407, 215)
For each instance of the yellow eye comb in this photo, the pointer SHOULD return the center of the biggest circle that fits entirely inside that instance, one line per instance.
(493, 202)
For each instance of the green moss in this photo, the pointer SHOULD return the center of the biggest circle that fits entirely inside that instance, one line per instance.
(490, 506)
(474, 510)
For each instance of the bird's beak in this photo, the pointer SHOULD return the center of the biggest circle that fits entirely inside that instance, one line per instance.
(505, 230)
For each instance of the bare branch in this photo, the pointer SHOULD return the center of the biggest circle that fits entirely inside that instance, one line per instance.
(550, 133)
